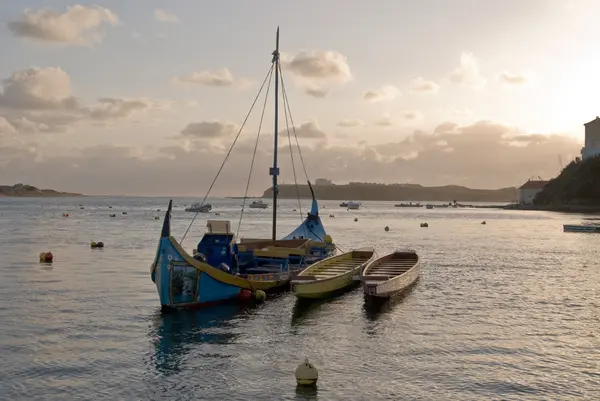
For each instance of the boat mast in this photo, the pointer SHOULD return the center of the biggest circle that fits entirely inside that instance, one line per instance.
(274, 171)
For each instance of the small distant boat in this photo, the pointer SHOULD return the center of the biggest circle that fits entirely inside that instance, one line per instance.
(258, 205)
(331, 275)
(582, 228)
(344, 204)
(199, 208)
(410, 204)
(391, 274)
(353, 205)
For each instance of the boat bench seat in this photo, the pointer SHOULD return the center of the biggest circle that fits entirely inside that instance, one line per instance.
(304, 278)
(376, 278)
(265, 269)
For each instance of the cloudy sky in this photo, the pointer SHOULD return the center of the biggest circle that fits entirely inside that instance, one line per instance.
(145, 97)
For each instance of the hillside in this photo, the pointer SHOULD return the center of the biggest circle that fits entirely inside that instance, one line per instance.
(577, 185)
(397, 192)
(22, 190)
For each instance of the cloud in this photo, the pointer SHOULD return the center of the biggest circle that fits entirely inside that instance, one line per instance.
(349, 123)
(6, 127)
(163, 16)
(43, 97)
(38, 88)
(218, 78)
(468, 71)
(209, 130)
(511, 78)
(78, 26)
(480, 155)
(117, 108)
(410, 116)
(221, 77)
(307, 130)
(421, 85)
(387, 93)
(315, 70)
(316, 91)
(384, 121)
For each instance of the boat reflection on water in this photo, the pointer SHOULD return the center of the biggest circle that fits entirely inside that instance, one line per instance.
(304, 308)
(375, 308)
(175, 334)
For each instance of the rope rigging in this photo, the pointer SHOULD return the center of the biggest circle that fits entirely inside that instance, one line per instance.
(229, 151)
(289, 121)
(287, 105)
(287, 125)
(288, 111)
(262, 115)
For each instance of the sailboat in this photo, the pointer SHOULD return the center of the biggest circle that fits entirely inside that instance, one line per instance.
(220, 268)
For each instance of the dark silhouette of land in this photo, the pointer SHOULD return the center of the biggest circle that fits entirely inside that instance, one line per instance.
(359, 191)
(577, 188)
(22, 190)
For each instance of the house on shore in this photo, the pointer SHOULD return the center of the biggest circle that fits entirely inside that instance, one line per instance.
(529, 190)
(592, 139)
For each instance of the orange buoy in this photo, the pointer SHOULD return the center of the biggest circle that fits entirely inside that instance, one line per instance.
(46, 257)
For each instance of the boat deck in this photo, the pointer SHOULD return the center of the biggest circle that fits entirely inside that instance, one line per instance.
(336, 268)
(391, 267)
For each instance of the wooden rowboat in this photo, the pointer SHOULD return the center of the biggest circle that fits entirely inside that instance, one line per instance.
(331, 275)
(391, 274)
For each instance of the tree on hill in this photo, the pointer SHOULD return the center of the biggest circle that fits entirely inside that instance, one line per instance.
(577, 184)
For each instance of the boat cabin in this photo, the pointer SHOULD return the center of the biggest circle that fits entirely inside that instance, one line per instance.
(217, 244)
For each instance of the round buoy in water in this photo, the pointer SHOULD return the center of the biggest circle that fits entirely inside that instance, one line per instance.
(260, 295)
(245, 295)
(424, 225)
(94, 244)
(387, 228)
(306, 374)
(46, 257)
(100, 244)
(483, 222)
(356, 219)
(328, 239)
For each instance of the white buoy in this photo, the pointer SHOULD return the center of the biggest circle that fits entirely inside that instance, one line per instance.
(306, 374)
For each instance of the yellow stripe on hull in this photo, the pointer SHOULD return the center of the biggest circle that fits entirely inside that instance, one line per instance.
(322, 288)
(227, 278)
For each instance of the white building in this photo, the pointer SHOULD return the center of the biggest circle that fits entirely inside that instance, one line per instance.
(529, 190)
(592, 139)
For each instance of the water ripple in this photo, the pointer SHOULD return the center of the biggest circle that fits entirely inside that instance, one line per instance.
(505, 311)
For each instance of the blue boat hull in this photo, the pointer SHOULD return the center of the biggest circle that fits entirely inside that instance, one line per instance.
(182, 281)
(581, 228)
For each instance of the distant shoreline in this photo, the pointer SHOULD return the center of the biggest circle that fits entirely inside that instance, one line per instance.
(29, 191)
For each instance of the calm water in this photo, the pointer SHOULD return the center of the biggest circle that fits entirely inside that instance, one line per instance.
(509, 310)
